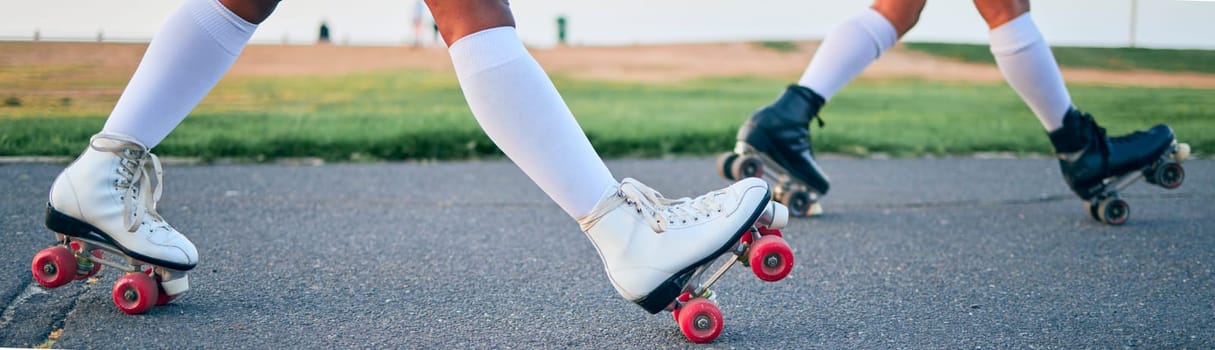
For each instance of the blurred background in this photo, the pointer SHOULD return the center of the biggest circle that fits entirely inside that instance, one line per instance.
(1116, 23)
(377, 84)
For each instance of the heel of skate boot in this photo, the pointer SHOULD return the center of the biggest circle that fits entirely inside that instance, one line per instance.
(666, 293)
(62, 223)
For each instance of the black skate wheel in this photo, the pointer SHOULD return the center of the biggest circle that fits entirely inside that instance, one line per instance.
(747, 166)
(1092, 211)
(1170, 175)
(724, 164)
(1114, 211)
(799, 202)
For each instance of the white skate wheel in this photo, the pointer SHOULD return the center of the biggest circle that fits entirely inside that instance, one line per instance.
(1183, 152)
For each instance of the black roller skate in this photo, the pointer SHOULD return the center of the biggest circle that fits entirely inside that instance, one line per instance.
(774, 144)
(1096, 167)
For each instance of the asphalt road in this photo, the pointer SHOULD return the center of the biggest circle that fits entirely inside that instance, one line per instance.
(918, 253)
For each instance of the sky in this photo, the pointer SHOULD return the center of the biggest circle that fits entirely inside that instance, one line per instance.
(1158, 23)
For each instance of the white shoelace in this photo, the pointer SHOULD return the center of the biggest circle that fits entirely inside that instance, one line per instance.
(658, 210)
(140, 178)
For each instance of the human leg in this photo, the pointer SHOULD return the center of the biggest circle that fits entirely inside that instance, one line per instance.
(780, 132)
(1087, 156)
(648, 244)
(113, 186)
(1026, 60)
(857, 42)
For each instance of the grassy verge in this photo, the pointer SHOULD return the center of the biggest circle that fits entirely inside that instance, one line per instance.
(421, 115)
(778, 46)
(1117, 58)
(1199, 61)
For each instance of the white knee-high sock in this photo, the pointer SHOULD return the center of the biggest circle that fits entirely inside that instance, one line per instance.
(193, 49)
(1030, 68)
(847, 51)
(521, 111)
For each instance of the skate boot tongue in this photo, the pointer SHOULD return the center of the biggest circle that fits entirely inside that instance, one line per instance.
(140, 177)
(658, 211)
(647, 202)
(666, 211)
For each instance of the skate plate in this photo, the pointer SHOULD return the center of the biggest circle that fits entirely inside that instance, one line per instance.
(745, 161)
(142, 286)
(1165, 172)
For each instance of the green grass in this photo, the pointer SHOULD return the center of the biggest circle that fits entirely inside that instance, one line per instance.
(1198, 61)
(421, 115)
(778, 46)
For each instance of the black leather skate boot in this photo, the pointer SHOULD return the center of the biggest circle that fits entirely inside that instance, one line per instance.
(1087, 156)
(781, 131)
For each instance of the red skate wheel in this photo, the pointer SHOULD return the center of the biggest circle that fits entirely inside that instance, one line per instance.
(683, 298)
(135, 293)
(54, 266)
(770, 258)
(747, 237)
(764, 231)
(700, 321)
(162, 297)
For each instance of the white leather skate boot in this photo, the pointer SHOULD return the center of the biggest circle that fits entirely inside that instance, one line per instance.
(109, 195)
(651, 245)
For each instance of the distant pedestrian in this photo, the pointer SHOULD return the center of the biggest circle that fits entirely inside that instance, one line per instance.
(323, 38)
(419, 22)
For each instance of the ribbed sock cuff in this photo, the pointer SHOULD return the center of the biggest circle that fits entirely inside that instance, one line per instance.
(229, 30)
(1015, 36)
(879, 28)
(485, 50)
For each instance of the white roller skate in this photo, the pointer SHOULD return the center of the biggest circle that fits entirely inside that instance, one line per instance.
(653, 248)
(103, 211)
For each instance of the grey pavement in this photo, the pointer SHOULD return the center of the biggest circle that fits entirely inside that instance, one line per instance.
(912, 253)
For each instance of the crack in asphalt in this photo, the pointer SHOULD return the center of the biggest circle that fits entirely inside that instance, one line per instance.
(30, 290)
(58, 320)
